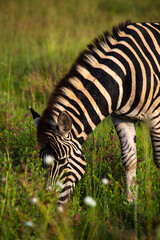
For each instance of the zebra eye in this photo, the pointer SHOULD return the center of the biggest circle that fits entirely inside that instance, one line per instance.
(67, 136)
(62, 160)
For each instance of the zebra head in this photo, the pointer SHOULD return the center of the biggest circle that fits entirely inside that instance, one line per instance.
(62, 156)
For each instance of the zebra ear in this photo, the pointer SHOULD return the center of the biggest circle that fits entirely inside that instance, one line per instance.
(64, 123)
(35, 116)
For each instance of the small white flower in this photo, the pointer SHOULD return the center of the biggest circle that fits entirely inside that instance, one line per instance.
(3, 179)
(28, 224)
(90, 201)
(48, 160)
(60, 208)
(49, 188)
(34, 200)
(104, 181)
(59, 184)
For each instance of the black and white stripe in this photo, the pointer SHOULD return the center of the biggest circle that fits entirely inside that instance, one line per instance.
(119, 75)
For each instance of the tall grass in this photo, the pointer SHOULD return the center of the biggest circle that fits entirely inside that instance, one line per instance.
(22, 179)
(39, 40)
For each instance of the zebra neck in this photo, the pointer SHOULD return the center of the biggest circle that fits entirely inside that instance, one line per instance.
(89, 94)
(85, 110)
(88, 100)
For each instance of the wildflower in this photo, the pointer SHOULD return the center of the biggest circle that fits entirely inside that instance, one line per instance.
(36, 148)
(28, 224)
(48, 160)
(36, 155)
(23, 166)
(49, 188)
(28, 174)
(59, 184)
(77, 219)
(60, 208)
(98, 159)
(34, 200)
(22, 229)
(104, 181)
(90, 201)
(3, 179)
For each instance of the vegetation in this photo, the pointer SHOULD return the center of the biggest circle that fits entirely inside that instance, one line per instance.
(39, 40)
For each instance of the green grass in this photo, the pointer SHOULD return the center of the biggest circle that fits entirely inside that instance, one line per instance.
(39, 40)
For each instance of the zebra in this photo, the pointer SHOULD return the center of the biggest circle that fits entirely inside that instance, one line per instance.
(118, 75)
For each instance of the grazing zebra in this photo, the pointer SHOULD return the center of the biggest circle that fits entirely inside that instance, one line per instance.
(118, 75)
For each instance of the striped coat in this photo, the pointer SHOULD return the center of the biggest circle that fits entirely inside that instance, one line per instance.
(118, 75)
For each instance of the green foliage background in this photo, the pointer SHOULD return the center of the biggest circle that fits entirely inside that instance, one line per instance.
(39, 40)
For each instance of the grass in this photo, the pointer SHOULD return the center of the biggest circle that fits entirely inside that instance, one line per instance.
(39, 42)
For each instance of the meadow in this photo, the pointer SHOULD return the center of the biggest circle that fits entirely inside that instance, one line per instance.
(39, 41)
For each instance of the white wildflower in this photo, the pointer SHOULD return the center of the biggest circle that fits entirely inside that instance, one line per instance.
(28, 224)
(60, 208)
(104, 181)
(90, 201)
(59, 184)
(3, 179)
(48, 160)
(34, 200)
(49, 188)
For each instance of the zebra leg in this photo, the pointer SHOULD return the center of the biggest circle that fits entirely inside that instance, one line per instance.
(155, 136)
(127, 134)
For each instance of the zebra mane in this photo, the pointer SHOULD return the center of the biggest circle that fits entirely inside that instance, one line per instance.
(101, 43)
